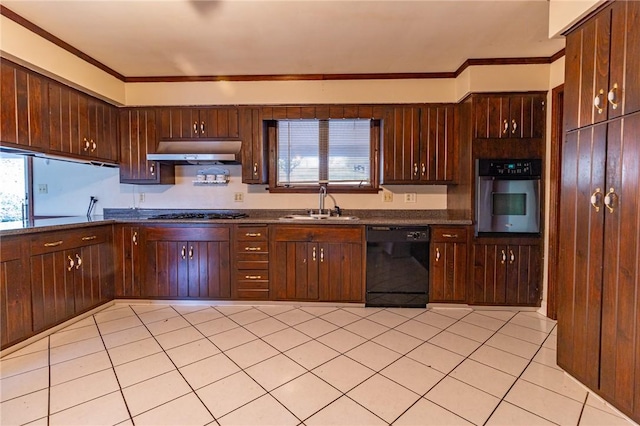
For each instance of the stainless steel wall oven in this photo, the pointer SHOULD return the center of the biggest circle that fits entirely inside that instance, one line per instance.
(508, 196)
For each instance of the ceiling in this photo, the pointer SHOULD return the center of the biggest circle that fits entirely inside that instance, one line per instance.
(152, 38)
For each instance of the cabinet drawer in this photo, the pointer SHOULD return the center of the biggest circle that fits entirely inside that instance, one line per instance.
(252, 261)
(252, 247)
(253, 294)
(63, 240)
(449, 234)
(252, 279)
(321, 233)
(252, 233)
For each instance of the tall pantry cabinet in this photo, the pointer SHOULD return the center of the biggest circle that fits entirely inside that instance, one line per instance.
(599, 258)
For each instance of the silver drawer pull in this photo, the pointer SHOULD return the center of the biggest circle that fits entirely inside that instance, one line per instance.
(450, 235)
(253, 277)
(253, 234)
(53, 244)
(252, 248)
(92, 237)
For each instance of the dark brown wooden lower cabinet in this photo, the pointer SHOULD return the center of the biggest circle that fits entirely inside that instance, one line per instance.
(71, 272)
(598, 266)
(317, 263)
(129, 261)
(187, 262)
(15, 292)
(448, 281)
(506, 273)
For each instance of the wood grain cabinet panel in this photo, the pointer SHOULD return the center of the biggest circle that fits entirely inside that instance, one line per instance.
(138, 137)
(602, 61)
(449, 266)
(23, 108)
(128, 243)
(71, 272)
(190, 123)
(317, 263)
(506, 273)
(509, 116)
(254, 149)
(420, 145)
(15, 292)
(80, 125)
(187, 262)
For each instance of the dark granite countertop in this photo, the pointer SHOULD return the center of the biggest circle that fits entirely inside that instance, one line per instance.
(365, 217)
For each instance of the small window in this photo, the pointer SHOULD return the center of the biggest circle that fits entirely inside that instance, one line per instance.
(338, 153)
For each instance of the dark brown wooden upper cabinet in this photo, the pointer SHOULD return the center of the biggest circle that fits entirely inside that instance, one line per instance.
(602, 80)
(23, 108)
(254, 148)
(189, 123)
(509, 116)
(420, 145)
(81, 125)
(137, 138)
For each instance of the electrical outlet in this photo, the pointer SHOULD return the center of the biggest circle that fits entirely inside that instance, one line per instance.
(387, 196)
(141, 197)
(238, 197)
(43, 188)
(410, 197)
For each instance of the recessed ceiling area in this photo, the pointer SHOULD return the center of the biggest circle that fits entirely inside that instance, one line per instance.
(154, 38)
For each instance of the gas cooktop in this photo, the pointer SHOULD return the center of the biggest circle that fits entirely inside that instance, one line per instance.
(205, 216)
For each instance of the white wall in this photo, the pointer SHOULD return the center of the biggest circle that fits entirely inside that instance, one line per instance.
(565, 13)
(70, 186)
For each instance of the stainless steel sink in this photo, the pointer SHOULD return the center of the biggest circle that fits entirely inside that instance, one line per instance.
(318, 218)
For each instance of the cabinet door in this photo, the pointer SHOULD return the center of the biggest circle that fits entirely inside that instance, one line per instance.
(340, 272)
(400, 154)
(102, 136)
(23, 108)
(438, 144)
(254, 148)
(15, 303)
(295, 270)
(448, 265)
(491, 114)
(581, 234)
(166, 268)
(624, 62)
(90, 281)
(620, 346)
(63, 119)
(209, 269)
(176, 123)
(128, 250)
(524, 271)
(137, 138)
(52, 288)
(218, 123)
(489, 274)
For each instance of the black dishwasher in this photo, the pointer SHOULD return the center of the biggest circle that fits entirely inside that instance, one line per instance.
(397, 266)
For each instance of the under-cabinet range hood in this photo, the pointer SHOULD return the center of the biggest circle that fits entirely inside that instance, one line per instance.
(197, 151)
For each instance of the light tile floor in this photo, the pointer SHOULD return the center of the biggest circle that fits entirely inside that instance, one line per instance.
(154, 364)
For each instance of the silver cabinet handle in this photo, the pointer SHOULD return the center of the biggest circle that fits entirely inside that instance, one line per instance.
(191, 252)
(437, 254)
(71, 263)
(611, 96)
(202, 127)
(195, 127)
(183, 252)
(512, 257)
(152, 169)
(321, 255)
(504, 257)
(86, 144)
(423, 169)
(134, 238)
(78, 261)
(415, 169)
(313, 254)
(93, 145)
(255, 169)
(506, 126)
(514, 126)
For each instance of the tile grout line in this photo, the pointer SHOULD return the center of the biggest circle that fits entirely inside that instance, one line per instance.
(114, 370)
(49, 379)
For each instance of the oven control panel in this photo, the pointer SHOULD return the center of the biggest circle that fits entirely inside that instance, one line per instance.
(509, 167)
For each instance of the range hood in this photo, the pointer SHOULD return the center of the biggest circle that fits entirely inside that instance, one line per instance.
(196, 151)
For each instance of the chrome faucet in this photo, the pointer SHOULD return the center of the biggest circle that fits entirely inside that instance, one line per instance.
(321, 195)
